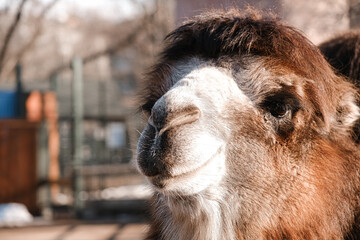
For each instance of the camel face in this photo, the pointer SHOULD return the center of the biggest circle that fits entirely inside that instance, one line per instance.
(188, 143)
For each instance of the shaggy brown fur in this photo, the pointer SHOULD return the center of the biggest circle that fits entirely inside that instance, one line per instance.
(309, 183)
(343, 53)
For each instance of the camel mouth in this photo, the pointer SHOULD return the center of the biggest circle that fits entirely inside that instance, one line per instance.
(200, 175)
(162, 180)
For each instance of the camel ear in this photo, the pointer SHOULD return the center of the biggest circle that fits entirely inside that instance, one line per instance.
(347, 114)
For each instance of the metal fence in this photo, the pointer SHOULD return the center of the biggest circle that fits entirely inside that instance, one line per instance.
(80, 157)
(96, 148)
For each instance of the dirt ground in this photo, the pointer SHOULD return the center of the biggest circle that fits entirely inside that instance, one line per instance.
(77, 231)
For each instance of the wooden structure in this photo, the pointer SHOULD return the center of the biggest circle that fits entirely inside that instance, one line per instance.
(18, 170)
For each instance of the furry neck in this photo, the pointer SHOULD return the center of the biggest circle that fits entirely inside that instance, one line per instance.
(204, 216)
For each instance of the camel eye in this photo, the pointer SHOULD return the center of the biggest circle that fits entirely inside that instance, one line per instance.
(281, 105)
(279, 110)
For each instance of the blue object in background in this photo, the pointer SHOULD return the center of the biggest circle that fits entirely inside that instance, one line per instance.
(7, 104)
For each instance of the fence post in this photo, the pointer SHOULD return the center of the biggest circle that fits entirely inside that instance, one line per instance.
(20, 108)
(53, 82)
(77, 108)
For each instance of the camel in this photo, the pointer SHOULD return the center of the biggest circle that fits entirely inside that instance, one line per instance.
(343, 54)
(249, 135)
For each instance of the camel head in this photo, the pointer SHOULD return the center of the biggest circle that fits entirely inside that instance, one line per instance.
(245, 110)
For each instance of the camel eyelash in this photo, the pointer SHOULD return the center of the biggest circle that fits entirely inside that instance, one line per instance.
(281, 104)
(280, 108)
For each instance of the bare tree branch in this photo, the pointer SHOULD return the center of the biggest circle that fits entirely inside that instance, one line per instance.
(11, 62)
(37, 31)
(121, 44)
(10, 33)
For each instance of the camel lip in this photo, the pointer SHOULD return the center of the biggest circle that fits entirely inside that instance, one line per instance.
(162, 180)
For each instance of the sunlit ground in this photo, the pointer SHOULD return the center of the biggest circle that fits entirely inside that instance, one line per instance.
(77, 231)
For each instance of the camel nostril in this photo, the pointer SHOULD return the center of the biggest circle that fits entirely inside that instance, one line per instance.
(158, 117)
(151, 123)
(163, 120)
(178, 118)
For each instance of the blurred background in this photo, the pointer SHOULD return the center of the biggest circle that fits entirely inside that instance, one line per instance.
(69, 73)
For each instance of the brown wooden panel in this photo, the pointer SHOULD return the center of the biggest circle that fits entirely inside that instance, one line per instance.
(18, 180)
